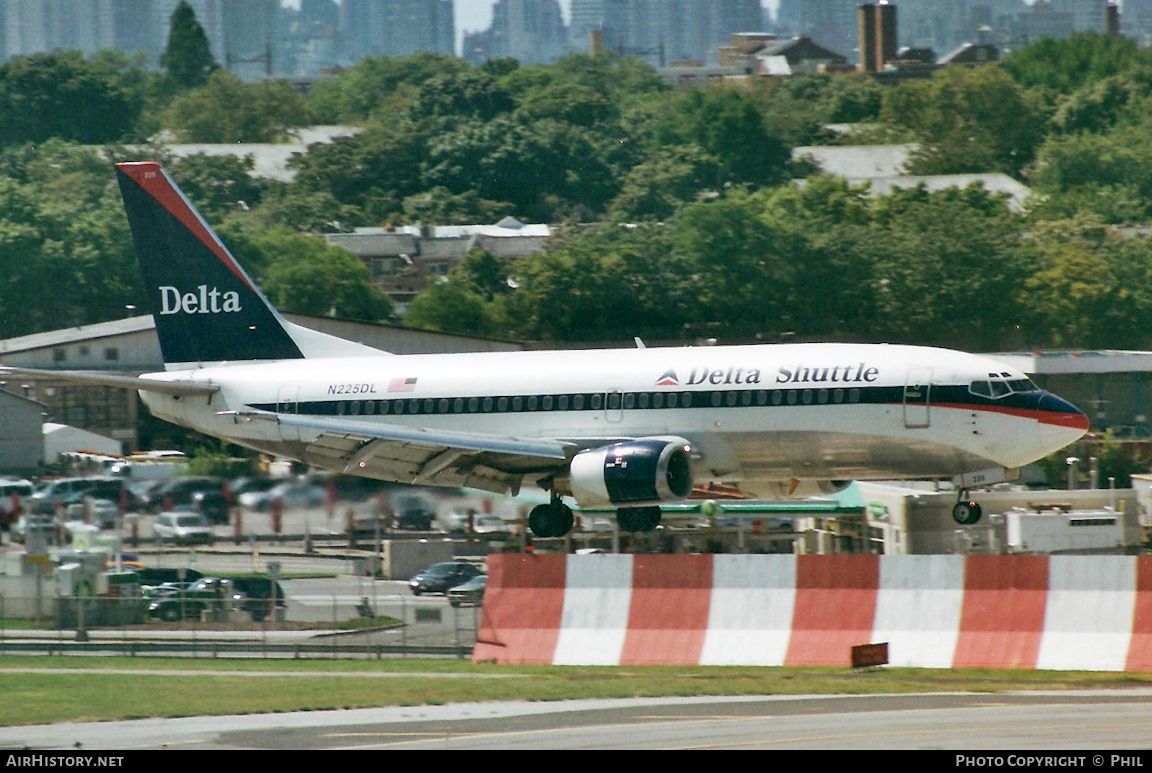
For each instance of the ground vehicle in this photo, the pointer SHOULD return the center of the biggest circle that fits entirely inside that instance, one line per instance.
(490, 526)
(469, 593)
(412, 511)
(438, 578)
(46, 524)
(87, 506)
(291, 494)
(182, 491)
(184, 526)
(161, 576)
(260, 593)
(49, 494)
(211, 594)
(8, 487)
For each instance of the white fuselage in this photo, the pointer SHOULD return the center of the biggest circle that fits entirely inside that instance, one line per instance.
(756, 414)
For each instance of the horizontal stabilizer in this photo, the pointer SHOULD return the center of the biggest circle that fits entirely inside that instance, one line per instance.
(96, 378)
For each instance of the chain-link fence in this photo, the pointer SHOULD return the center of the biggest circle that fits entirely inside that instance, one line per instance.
(181, 625)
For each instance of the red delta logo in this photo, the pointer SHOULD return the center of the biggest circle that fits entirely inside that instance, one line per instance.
(668, 379)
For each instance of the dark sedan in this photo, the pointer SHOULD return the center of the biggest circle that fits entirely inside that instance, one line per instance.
(470, 593)
(438, 578)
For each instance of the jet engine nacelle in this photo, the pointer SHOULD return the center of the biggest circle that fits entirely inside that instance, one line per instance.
(802, 489)
(646, 471)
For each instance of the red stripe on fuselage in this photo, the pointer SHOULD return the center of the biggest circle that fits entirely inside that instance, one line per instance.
(1054, 418)
(154, 181)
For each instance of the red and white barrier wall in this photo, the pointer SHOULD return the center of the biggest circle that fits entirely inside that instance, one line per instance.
(1044, 612)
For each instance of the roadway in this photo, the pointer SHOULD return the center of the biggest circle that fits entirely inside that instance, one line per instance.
(1073, 723)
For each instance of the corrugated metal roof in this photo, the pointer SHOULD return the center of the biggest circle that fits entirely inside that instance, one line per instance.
(71, 335)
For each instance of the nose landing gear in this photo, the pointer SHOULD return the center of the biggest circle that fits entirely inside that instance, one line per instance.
(966, 511)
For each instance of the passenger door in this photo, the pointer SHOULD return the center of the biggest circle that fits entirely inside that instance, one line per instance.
(917, 395)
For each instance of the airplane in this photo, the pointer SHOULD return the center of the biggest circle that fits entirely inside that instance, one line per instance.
(630, 429)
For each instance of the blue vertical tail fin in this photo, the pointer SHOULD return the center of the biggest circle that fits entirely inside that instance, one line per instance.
(207, 309)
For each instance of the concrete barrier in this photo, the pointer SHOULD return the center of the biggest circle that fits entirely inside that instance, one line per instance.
(1040, 612)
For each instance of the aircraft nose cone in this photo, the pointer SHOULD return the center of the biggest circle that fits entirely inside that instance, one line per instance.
(1059, 412)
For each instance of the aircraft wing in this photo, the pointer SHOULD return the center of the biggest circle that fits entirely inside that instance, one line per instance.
(424, 456)
(98, 378)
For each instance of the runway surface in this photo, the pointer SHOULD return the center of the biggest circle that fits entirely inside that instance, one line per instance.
(1118, 720)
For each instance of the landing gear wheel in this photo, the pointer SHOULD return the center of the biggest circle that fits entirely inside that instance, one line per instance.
(967, 512)
(638, 519)
(554, 519)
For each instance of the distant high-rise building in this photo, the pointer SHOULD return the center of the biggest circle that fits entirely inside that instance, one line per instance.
(1087, 15)
(249, 37)
(398, 27)
(831, 23)
(661, 31)
(530, 31)
(612, 17)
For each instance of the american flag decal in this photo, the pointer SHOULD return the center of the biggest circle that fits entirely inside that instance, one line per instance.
(401, 385)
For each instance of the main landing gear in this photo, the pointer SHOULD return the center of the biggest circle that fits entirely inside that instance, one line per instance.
(638, 519)
(554, 519)
(966, 511)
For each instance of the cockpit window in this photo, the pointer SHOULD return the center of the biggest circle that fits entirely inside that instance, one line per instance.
(1001, 385)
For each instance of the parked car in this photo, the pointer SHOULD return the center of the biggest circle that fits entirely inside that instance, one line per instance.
(88, 507)
(48, 495)
(439, 577)
(29, 521)
(412, 511)
(183, 491)
(259, 593)
(8, 486)
(470, 593)
(292, 494)
(154, 575)
(491, 526)
(183, 526)
(207, 593)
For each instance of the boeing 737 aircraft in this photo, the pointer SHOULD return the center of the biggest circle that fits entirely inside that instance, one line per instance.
(628, 428)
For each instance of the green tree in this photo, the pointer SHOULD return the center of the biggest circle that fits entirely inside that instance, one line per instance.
(62, 95)
(219, 185)
(227, 110)
(452, 306)
(307, 276)
(1108, 174)
(187, 58)
(742, 276)
(378, 87)
(660, 186)
(1090, 288)
(1062, 66)
(949, 268)
(602, 284)
(469, 301)
(975, 120)
(727, 124)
